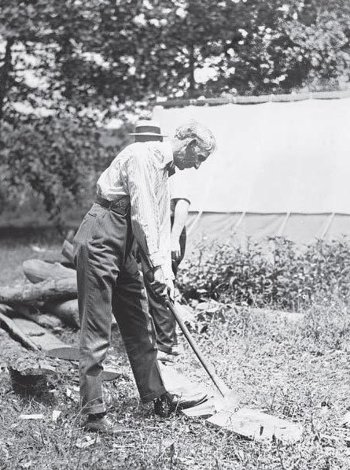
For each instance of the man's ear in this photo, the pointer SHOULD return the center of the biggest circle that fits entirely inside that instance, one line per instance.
(192, 144)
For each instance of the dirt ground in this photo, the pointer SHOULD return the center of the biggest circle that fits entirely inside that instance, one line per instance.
(295, 370)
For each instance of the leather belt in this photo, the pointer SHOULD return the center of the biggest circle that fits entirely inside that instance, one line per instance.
(120, 204)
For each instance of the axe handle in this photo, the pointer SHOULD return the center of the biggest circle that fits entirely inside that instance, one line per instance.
(220, 385)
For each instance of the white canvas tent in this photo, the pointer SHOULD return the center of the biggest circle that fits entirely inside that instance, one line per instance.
(281, 168)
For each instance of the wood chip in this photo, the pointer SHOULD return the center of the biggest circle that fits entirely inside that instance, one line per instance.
(87, 441)
(33, 416)
(55, 415)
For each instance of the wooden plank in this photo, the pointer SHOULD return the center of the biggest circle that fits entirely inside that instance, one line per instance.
(37, 334)
(254, 424)
(10, 347)
(67, 353)
(10, 326)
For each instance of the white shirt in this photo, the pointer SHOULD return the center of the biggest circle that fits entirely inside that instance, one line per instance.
(140, 171)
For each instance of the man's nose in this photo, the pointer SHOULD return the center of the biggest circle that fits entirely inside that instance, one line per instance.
(197, 165)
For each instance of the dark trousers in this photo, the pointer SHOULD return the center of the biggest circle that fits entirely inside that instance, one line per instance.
(164, 321)
(109, 282)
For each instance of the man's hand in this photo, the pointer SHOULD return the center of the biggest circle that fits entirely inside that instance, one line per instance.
(161, 286)
(171, 289)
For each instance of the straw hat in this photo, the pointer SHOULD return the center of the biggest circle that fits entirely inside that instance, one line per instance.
(148, 128)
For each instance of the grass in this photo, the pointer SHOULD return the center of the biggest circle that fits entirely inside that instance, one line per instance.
(298, 371)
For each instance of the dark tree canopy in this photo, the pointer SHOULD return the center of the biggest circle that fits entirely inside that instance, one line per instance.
(66, 67)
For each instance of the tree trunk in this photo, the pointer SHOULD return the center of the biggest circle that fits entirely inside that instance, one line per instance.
(192, 82)
(37, 270)
(60, 289)
(4, 75)
(66, 311)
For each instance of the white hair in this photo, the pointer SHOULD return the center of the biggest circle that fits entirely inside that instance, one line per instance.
(194, 130)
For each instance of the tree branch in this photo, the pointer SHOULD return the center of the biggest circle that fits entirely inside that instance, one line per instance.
(4, 74)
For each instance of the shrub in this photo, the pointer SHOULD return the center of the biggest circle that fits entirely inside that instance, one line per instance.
(56, 159)
(277, 274)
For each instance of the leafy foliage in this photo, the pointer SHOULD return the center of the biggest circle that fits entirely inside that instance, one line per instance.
(112, 53)
(57, 158)
(95, 60)
(277, 275)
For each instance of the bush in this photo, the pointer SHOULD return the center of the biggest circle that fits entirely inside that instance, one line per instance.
(56, 159)
(277, 274)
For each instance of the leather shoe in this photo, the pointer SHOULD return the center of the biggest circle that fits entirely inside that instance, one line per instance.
(103, 425)
(168, 403)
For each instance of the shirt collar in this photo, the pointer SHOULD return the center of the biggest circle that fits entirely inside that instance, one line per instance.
(169, 158)
(168, 152)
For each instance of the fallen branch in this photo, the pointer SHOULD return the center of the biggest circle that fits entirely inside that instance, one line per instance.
(60, 289)
(14, 330)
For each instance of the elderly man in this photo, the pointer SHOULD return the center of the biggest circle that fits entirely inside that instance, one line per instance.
(132, 202)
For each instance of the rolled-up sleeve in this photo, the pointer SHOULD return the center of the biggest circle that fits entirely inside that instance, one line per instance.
(143, 182)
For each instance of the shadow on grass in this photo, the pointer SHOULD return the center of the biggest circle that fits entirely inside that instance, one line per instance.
(30, 234)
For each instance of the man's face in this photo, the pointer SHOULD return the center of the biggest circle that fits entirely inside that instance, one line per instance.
(191, 156)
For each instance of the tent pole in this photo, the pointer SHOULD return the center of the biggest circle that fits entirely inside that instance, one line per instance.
(283, 225)
(239, 221)
(327, 226)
